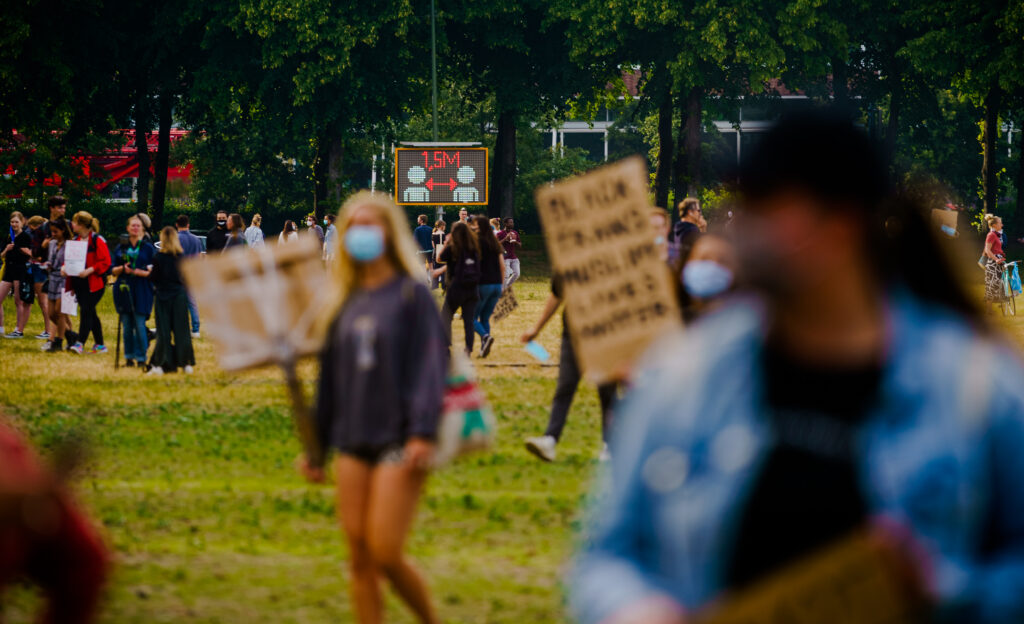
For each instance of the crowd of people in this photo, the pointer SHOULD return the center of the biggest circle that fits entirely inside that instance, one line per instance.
(834, 377)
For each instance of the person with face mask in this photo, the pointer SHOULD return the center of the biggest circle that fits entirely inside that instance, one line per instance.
(217, 237)
(382, 382)
(708, 273)
(316, 229)
(856, 391)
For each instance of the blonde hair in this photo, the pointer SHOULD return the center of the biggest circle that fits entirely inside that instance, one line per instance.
(17, 215)
(256, 220)
(84, 219)
(169, 242)
(991, 219)
(400, 249)
(687, 204)
(35, 221)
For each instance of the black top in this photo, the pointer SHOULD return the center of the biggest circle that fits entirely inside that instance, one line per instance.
(16, 259)
(216, 239)
(167, 276)
(807, 494)
(383, 369)
(457, 270)
(423, 237)
(490, 266)
(685, 233)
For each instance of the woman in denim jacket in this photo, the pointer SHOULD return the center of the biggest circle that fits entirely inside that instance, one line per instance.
(857, 388)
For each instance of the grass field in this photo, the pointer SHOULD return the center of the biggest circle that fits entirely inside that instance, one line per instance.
(192, 480)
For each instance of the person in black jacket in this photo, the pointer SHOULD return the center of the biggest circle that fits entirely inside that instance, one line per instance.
(173, 348)
(382, 382)
(461, 258)
(217, 237)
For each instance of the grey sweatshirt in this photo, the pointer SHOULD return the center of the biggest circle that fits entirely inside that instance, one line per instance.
(383, 369)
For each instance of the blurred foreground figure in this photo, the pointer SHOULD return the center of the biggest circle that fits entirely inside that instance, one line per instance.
(45, 539)
(858, 392)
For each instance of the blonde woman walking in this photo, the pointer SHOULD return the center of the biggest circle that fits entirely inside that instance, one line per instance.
(382, 381)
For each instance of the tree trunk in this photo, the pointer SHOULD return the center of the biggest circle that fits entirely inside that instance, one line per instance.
(840, 84)
(694, 125)
(990, 183)
(327, 175)
(663, 174)
(679, 163)
(142, 151)
(892, 132)
(503, 177)
(163, 148)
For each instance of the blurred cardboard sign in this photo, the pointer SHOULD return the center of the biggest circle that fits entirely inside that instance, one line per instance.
(260, 304)
(858, 580)
(507, 304)
(945, 221)
(618, 291)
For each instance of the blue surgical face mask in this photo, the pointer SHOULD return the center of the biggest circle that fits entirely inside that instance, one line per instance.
(365, 243)
(706, 279)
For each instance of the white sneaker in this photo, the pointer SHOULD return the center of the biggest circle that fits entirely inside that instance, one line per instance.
(156, 370)
(195, 335)
(189, 370)
(606, 455)
(543, 447)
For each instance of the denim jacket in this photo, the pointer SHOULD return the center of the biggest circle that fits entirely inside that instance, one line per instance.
(942, 453)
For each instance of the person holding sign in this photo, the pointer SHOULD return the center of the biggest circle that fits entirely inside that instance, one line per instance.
(860, 391)
(569, 377)
(87, 278)
(60, 233)
(382, 382)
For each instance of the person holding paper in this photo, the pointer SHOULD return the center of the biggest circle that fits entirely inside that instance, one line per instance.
(87, 280)
(16, 256)
(857, 390)
(379, 399)
(59, 235)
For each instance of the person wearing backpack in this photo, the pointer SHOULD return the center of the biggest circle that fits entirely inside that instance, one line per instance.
(461, 258)
(90, 284)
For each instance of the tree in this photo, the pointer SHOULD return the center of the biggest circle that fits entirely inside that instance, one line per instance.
(519, 53)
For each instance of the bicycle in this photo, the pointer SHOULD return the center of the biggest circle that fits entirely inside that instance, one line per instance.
(1011, 288)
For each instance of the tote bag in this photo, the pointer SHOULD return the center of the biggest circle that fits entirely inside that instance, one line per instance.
(467, 422)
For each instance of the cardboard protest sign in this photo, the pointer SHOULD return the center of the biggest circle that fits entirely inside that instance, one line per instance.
(260, 303)
(507, 304)
(618, 291)
(945, 221)
(260, 306)
(856, 580)
(74, 256)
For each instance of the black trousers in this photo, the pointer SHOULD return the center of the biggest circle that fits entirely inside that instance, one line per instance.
(569, 377)
(454, 299)
(88, 318)
(173, 338)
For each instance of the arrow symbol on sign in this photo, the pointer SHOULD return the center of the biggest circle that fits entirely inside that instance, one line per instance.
(430, 184)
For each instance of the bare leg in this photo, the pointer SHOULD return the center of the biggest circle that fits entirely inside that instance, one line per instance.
(43, 306)
(394, 494)
(354, 478)
(5, 289)
(21, 309)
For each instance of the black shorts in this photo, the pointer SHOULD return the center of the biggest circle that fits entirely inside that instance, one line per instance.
(375, 455)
